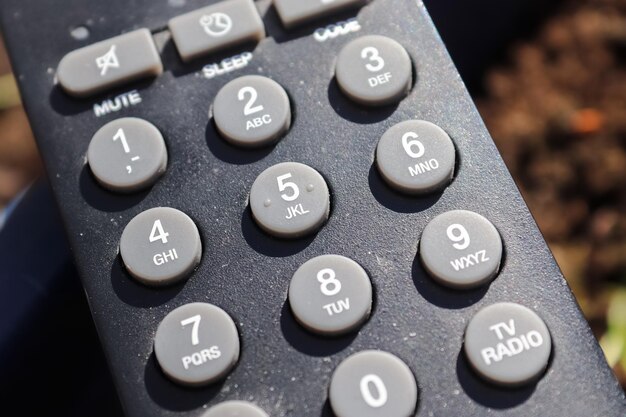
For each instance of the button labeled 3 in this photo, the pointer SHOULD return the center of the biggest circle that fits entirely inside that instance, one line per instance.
(290, 200)
(160, 246)
(197, 344)
(374, 71)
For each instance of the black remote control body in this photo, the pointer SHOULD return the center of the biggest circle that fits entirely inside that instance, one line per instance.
(283, 368)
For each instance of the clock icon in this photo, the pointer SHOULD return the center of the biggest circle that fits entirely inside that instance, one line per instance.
(216, 24)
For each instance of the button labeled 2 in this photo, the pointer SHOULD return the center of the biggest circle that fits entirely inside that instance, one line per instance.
(290, 200)
(252, 111)
(160, 246)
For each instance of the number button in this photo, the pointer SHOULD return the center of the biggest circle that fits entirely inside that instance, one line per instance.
(461, 249)
(252, 111)
(330, 295)
(235, 409)
(160, 246)
(197, 344)
(290, 200)
(373, 384)
(127, 155)
(374, 71)
(416, 157)
(508, 344)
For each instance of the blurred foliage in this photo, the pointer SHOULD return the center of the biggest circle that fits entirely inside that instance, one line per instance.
(557, 111)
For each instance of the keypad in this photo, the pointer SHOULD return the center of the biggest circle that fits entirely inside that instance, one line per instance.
(330, 295)
(461, 249)
(197, 344)
(290, 200)
(296, 12)
(127, 155)
(216, 27)
(373, 384)
(110, 63)
(252, 111)
(507, 344)
(235, 409)
(374, 70)
(160, 246)
(416, 157)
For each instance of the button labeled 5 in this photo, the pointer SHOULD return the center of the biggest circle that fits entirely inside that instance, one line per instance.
(290, 200)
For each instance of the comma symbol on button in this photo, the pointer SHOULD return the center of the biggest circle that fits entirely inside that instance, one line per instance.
(108, 60)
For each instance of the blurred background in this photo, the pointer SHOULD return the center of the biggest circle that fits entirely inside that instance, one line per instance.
(552, 91)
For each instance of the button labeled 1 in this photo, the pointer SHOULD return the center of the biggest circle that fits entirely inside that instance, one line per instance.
(127, 155)
(507, 344)
(330, 295)
(461, 249)
(416, 157)
(373, 384)
(290, 200)
(374, 71)
(160, 246)
(252, 111)
(197, 344)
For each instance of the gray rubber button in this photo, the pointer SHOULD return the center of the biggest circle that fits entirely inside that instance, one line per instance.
(461, 249)
(216, 27)
(296, 12)
(235, 409)
(160, 246)
(374, 71)
(109, 63)
(330, 295)
(508, 344)
(127, 155)
(373, 384)
(290, 200)
(197, 344)
(252, 111)
(416, 157)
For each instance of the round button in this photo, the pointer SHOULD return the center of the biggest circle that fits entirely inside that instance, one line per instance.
(160, 246)
(235, 409)
(197, 344)
(373, 384)
(330, 295)
(127, 155)
(416, 157)
(290, 200)
(252, 111)
(508, 344)
(374, 71)
(461, 249)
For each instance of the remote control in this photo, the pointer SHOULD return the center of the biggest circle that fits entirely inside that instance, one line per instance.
(293, 208)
